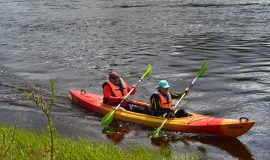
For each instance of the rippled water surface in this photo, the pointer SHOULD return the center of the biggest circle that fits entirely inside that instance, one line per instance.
(76, 42)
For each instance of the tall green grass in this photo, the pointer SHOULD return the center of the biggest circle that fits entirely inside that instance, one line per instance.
(19, 144)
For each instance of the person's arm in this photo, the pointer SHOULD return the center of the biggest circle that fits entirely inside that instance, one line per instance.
(179, 94)
(129, 89)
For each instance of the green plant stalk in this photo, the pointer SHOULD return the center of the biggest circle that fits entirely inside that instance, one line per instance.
(52, 136)
(46, 109)
(49, 119)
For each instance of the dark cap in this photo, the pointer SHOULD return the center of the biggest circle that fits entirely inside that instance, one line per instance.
(113, 74)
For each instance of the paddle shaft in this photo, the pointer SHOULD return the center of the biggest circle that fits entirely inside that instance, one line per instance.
(129, 92)
(199, 74)
(185, 93)
(163, 123)
(137, 103)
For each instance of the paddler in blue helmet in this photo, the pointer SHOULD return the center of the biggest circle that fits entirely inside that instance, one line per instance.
(161, 102)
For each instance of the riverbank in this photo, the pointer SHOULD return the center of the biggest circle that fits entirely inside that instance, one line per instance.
(23, 144)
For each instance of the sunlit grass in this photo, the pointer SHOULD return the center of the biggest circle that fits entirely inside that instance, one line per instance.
(21, 144)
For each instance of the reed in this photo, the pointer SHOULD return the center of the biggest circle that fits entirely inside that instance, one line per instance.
(46, 108)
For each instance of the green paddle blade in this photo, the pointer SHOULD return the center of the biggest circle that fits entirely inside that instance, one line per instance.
(148, 71)
(156, 133)
(203, 68)
(107, 119)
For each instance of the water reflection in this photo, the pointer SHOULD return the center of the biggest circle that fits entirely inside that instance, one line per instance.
(229, 144)
(116, 132)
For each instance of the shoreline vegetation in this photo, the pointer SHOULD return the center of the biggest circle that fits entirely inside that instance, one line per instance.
(20, 144)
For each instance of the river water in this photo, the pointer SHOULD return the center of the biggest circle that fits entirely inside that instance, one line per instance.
(76, 42)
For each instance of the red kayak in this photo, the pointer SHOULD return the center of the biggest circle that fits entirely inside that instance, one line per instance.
(195, 123)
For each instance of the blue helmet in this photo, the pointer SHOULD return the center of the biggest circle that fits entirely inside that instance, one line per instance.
(163, 84)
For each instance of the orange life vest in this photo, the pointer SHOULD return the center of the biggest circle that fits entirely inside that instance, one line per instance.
(163, 101)
(116, 90)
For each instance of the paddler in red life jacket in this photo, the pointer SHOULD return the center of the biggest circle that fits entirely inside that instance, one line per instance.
(114, 89)
(161, 102)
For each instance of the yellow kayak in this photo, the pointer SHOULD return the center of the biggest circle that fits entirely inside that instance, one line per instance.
(195, 123)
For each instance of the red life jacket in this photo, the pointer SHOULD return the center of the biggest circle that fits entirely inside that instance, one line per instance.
(163, 101)
(116, 90)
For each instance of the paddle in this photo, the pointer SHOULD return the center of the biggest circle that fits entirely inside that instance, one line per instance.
(107, 119)
(156, 133)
